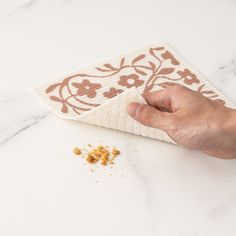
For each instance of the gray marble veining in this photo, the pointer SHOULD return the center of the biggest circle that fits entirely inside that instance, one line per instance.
(154, 188)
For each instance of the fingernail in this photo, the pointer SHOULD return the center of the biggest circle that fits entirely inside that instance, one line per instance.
(132, 109)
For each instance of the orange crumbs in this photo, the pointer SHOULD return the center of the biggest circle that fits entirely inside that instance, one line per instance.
(77, 151)
(100, 154)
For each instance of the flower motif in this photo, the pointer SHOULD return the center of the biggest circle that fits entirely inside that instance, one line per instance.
(167, 55)
(112, 92)
(130, 81)
(87, 88)
(189, 77)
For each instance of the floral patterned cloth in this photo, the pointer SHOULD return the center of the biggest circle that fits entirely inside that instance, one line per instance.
(152, 68)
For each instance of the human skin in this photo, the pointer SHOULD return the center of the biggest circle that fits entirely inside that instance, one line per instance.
(190, 119)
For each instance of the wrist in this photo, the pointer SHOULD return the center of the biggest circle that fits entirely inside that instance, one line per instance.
(223, 142)
(229, 123)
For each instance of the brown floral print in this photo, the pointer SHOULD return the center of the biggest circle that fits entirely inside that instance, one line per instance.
(112, 92)
(147, 70)
(87, 88)
(189, 77)
(167, 55)
(130, 81)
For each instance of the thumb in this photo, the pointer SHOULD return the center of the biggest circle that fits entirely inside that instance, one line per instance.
(150, 116)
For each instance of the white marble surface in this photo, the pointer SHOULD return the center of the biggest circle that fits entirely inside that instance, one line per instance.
(154, 188)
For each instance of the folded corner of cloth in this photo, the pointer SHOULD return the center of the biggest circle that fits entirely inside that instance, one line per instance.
(99, 95)
(113, 114)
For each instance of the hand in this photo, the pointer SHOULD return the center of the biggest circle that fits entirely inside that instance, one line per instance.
(190, 119)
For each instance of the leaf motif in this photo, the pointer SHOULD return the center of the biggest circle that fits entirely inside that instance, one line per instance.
(151, 52)
(82, 75)
(138, 58)
(64, 109)
(159, 48)
(102, 70)
(109, 66)
(213, 96)
(122, 61)
(140, 71)
(153, 66)
(54, 98)
(76, 85)
(167, 84)
(208, 92)
(200, 88)
(165, 71)
(168, 55)
(52, 87)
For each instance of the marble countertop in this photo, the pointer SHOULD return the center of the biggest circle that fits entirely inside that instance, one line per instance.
(154, 188)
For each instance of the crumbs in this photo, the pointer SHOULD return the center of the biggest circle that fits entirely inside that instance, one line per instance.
(77, 151)
(99, 154)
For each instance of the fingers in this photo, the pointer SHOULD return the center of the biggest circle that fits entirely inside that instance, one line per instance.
(170, 99)
(154, 115)
(160, 99)
(149, 116)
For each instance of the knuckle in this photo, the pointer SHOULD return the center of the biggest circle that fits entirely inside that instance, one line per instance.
(145, 115)
(150, 119)
(142, 109)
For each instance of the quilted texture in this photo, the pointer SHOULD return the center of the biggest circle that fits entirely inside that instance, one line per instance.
(112, 114)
